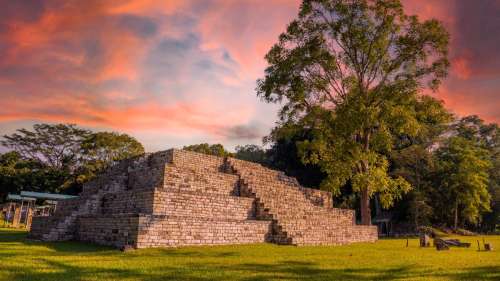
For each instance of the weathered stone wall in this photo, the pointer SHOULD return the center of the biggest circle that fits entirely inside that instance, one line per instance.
(161, 231)
(203, 206)
(175, 198)
(121, 188)
(130, 201)
(197, 161)
(110, 230)
(315, 196)
(303, 215)
(191, 180)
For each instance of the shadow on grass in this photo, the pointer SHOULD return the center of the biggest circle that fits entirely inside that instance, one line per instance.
(69, 247)
(10, 235)
(290, 270)
(201, 252)
(218, 268)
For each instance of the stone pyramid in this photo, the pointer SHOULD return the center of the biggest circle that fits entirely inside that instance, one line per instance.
(177, 198)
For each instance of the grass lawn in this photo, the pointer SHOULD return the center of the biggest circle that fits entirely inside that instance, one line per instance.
(385, 260)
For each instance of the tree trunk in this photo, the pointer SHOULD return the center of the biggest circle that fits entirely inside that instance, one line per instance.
(456, 215)
(366, 217)
(416, 217)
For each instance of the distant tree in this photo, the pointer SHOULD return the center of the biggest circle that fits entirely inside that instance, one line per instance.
(491, 221)
(486, 136)
(61, 157)
(252, 153)
(58, 146)
(18, 174)
(463, 170)
(8, 172)
(100, 150)
(51, 155)
(416, 165)
(205, 148)
(283, 154)
(412, 159)
(351, 70)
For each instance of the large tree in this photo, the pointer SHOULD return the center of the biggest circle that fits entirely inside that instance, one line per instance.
(416, 165)
(486, 136)
(100, 150)
(252, 153)
(62, 156)
(17, 173)
(352, 70)
(210, 149)
(58, 146)
(283, 154)
(464, 168)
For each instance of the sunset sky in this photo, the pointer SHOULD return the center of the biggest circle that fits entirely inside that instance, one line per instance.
(173, 73)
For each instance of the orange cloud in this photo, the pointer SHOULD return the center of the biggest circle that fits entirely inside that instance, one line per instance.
(179, 117)
(461, 67)
(186, 67)
(246, 29)
(148, 6)
(75, 25)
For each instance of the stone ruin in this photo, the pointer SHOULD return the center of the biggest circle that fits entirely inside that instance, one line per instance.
(177, 198)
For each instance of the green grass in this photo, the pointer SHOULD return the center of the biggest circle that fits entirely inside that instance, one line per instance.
(385, 260)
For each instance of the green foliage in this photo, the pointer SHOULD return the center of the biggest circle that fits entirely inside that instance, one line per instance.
(486, 136)
(99, 150)
(214, 149)
(18, 174)
(9, 182)
(463, 169)
(57, 146)
(61, 157)
(284, 155)
(417, 166)
(351, 70)
(252, 153)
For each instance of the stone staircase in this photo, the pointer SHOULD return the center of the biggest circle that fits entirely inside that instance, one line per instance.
(178, 198)
(302, 216)
(199, 204)
(61, 226)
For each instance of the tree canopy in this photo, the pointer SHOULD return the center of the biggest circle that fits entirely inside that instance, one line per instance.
(60, 157)
(252, 153)
(205, 148)
(352, 70)
(101, 149)
(58, 146)
(464, 179)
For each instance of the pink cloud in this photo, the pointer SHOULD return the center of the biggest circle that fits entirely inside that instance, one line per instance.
(186, 67)
(246, 29)
(461, 67)
(179, 117)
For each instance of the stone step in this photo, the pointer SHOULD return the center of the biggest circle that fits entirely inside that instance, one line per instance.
(171, 231)
(199, 161)
(304, 216)
(190, 180)
(338, 237)
(322, 217)
(177, 198)
(212, 206)
(129, 201)
(275, 189)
